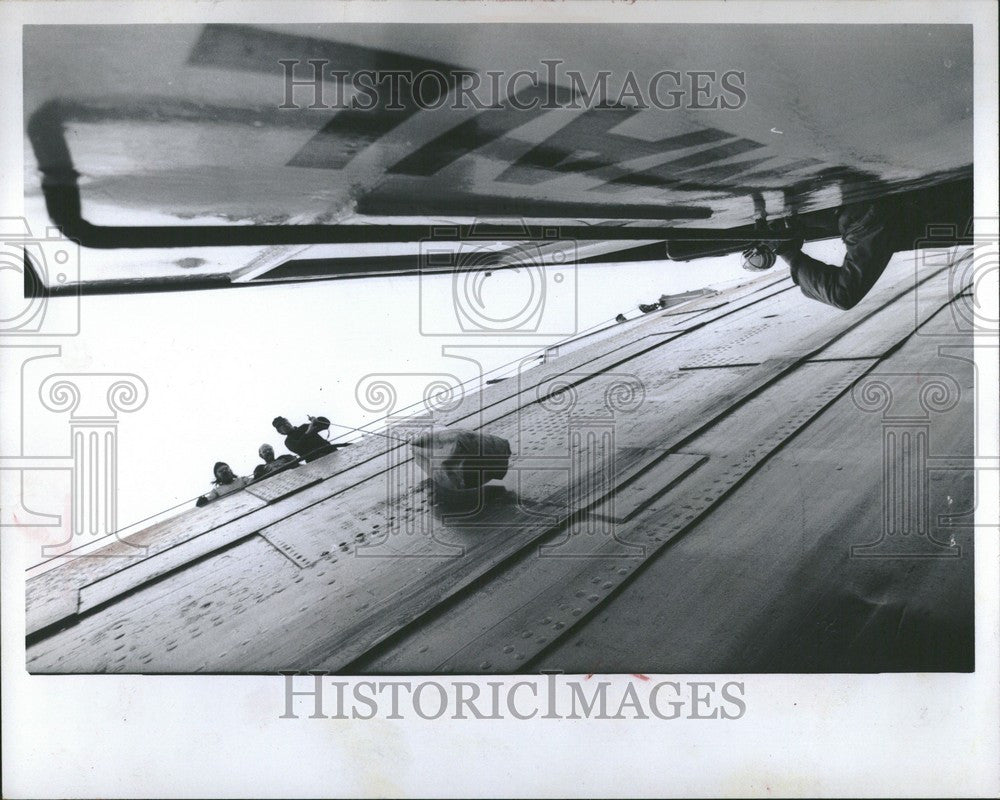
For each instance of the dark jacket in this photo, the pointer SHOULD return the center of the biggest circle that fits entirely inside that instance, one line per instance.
(872, 232)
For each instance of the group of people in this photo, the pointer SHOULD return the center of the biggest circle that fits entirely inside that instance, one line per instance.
(303, 440)
(872, 231)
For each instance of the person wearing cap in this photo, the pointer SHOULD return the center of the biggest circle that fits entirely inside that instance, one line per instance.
(271, 464)
(225, 483)
(304, 440)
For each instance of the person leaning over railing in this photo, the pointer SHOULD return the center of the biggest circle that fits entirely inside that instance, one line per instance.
(225, 483)
(304, 440)
(271, 464)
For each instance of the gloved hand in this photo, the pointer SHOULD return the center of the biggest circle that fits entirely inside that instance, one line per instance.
(782, 247)
(758, 258)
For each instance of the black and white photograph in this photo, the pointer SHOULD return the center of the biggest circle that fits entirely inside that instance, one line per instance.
(406, 376)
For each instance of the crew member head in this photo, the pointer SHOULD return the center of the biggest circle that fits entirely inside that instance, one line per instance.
(282, 425)
(223, 474)
(266, 452)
